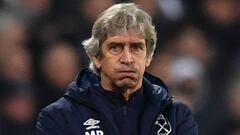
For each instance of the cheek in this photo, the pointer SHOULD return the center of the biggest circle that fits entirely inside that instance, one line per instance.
(141, 67)
(107, 65)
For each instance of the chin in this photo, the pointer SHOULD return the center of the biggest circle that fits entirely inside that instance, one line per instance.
(127, 84)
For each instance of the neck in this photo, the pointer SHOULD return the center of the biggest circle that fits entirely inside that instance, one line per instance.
(127, 94)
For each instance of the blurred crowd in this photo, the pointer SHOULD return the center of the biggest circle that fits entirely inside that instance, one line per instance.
(197, 55)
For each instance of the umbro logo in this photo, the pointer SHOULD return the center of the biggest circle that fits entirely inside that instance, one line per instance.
(92, 127)
(164, 127)
(91, 123)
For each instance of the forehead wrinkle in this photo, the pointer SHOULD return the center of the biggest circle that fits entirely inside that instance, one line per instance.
(124, 39)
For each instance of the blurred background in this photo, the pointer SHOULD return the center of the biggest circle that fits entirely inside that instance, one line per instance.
(197, 55)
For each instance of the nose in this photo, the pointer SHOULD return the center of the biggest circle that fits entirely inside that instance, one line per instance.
(126, 57)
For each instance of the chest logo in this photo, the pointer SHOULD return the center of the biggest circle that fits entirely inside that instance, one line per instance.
(91, 123)
(164, 127)
(92, 127)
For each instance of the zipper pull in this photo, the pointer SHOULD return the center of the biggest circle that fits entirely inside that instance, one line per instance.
(125, 111)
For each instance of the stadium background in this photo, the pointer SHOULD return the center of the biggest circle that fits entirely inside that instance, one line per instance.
(197, 55)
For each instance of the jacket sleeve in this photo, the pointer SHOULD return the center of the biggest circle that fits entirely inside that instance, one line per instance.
(186, 124)
(48, 124)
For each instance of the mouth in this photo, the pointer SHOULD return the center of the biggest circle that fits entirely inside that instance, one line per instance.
(126, 71)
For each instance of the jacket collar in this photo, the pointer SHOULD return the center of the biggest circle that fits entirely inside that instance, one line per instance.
(86, 81)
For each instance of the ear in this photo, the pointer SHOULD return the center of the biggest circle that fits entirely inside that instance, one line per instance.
(96, 61)
(148, 62)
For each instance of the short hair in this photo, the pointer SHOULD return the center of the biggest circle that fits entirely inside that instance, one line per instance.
(117, 20)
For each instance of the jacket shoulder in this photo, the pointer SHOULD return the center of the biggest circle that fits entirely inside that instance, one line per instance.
(61, 104)
(51, 119)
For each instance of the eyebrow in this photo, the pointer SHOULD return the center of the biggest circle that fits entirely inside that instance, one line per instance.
(116, 43)
(138, 43)
(120, 42)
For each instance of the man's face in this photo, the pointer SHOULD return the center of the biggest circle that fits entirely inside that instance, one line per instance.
(123, 61)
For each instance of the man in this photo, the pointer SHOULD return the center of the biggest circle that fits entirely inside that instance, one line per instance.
(115, 96)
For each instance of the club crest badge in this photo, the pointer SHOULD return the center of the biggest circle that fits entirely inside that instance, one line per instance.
(163, 125)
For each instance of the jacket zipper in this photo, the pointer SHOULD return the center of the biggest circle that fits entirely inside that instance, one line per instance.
(124, 110)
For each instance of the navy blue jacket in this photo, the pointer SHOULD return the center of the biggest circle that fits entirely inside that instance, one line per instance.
(84, 110)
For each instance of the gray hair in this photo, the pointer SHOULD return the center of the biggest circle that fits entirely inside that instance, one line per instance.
(117, 20)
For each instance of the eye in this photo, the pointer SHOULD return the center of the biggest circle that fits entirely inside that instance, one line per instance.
(137, 47)
(115, 47)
